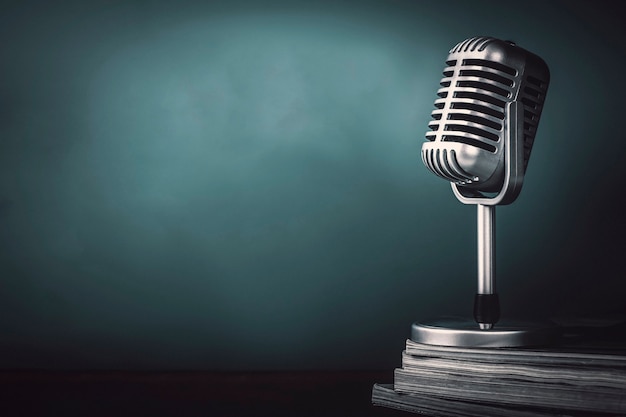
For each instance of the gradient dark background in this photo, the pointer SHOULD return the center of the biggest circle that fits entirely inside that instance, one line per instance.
(237, 185)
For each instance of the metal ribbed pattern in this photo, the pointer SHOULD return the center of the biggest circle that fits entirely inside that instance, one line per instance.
(444, 163)
(474, 91)
(472, 98)
(532, 96)
(477, 43)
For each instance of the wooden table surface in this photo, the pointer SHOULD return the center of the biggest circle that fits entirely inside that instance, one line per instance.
(120, 393)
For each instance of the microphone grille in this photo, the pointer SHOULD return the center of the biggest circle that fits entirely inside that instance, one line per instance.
(481, 76)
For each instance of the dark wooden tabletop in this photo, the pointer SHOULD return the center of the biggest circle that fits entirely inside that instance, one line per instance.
(121, 393)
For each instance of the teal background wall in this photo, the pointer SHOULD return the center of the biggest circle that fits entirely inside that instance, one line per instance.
(237, 185)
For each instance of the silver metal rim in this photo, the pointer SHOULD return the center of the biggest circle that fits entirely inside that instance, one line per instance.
(467, 333)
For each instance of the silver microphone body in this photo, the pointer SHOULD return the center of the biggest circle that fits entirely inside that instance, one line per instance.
(485, 119)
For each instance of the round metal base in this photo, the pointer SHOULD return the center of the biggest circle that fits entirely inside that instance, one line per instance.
(466, 333)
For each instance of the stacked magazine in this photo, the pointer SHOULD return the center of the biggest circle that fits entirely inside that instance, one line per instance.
(567, 380)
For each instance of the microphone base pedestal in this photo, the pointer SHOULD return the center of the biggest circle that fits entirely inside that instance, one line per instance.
(461, 332)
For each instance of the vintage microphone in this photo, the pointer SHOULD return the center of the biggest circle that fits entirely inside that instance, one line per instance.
(483, 128)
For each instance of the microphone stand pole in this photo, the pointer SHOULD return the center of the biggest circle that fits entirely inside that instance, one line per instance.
(486, 303)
